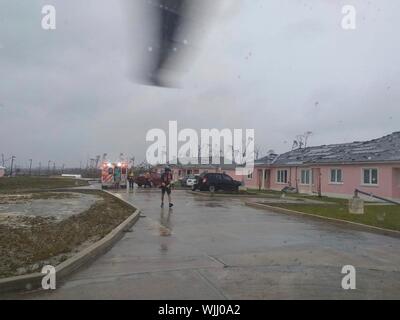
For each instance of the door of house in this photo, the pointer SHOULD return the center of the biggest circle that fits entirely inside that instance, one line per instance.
(259, 178)
(263, 179)
(267, 179)
(396, 178)
(316, 181)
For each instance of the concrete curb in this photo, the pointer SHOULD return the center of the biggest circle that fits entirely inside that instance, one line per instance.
(34, 281)
(364, 227)
(224, 195)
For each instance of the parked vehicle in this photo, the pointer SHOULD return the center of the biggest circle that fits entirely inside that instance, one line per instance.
(216, 181)
(148, 180)
(183, 181)
(143, 181)
(191, 181)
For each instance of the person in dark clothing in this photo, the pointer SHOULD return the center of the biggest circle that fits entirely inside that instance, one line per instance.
(166, 185)
(131, 179)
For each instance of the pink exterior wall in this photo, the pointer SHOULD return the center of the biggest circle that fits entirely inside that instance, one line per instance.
(291, 176)
(388, 185)
(251, 182)
(388, 179)
(353, 179)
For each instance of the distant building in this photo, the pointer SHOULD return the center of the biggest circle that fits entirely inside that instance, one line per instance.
(181, 171)
(2, 171)
(76, 176)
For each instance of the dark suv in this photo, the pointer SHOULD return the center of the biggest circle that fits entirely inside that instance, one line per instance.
(216, 181)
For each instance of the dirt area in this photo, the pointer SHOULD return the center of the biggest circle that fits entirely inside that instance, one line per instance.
(59, 205)
(29, 242)
(19, 184)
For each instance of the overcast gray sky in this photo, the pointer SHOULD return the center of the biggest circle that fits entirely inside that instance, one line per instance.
(282, 67)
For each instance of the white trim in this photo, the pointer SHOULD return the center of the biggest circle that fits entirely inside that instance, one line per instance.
(330, 176)
(277, 175)
(370, 184)
(310, 177)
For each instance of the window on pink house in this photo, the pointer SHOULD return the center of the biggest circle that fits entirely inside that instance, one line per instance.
(336, 176)
(370, 176)
(282, 176)
(305, 177)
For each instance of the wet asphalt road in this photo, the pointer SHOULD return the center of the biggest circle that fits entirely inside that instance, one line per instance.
(218, 248)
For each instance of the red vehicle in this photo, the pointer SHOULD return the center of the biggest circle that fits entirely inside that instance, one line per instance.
(114, 174)
(149, 179)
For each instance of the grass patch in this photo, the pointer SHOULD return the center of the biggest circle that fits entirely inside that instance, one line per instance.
(250, 192)
(382, 216)
(42, 241)
(266, 192)
(20, 184)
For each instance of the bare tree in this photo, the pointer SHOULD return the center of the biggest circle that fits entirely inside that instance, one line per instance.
(301, 140)
(307, 135)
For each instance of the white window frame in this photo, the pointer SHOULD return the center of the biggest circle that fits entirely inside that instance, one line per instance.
(370, 184)
(305, 183)
(280, 171)
(336, 176)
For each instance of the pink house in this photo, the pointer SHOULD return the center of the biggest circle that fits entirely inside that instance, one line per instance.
(334, 170)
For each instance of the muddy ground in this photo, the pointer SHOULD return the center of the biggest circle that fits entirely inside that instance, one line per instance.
(29, 242)
(59, 205)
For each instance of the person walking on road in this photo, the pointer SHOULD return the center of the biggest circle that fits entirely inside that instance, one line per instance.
(166, 185)
(131, 179)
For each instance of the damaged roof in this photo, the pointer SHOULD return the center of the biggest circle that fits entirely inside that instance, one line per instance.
(385, 149)
(269, 159)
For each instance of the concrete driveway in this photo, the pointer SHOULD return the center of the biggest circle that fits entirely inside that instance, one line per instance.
(210, 248)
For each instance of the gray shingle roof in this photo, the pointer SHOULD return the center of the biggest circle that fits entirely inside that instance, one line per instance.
(385, 149)
(269, 159)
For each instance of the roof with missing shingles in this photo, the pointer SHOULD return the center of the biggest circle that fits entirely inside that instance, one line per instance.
(385, 149)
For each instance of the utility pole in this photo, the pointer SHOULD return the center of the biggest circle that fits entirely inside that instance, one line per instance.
(40, 168)
(48, 167)
(54, 168)
(12, 164)
(30, 167)
(62, 169)
(2, 159)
